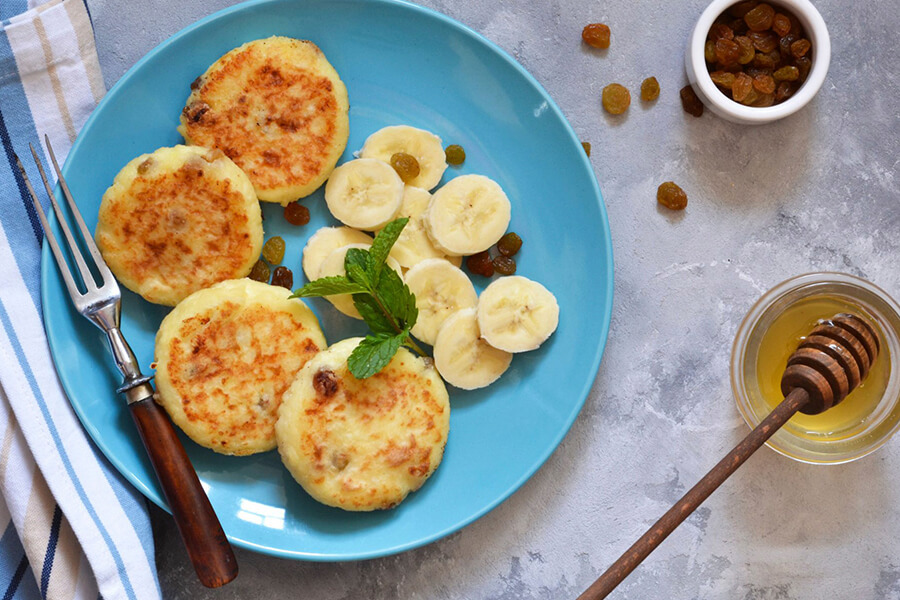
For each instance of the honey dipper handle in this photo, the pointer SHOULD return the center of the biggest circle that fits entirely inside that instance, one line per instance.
(695, 497)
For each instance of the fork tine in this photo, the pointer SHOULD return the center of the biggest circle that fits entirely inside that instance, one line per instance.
(86, 276)
(105, 273)
(51, 239)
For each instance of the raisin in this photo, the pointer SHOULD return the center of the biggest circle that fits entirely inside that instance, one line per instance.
(504, 265)
(766, 61)
(596, 35)
(784, 91)
(748, 51)
(509, 244)
(738, 27)
(296, 214)
(283, 277)
(721, 31)
(764, 41)
(804, 64)
(751, 97)
(709, 51)
(587, 147)
(764, 100)
(616, 98)
(722, 79)
(670, 195)
(727, 52)
(455, 154)
(273, 250)
(145, 166)
(480, 264)
(649, 89)
(325, 383)
(781, 25)
(742, 8)
(789, 73)
(742, 85)
(690, 102)
(764, 84)
(760, 18)
(259, 272)
(785, 42)
(800, 48)
(406, 166)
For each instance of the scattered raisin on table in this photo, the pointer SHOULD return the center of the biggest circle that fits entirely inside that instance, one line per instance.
(587, 147)
(649, 89)
(296, 214)
(480, 264)
(670, 195)
(455, 154)
(596, 35)
(504, 265)
(283, 277)
(509, 244)
(406, 166)
(616, 98)
(690, 102)
(273, 250)
(259, 272)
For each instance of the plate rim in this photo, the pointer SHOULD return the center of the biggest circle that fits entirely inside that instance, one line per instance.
(48, 269)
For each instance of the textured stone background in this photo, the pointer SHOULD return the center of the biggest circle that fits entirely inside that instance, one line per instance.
(816, 191)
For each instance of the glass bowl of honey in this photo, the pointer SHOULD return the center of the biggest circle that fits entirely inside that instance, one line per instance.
(774, 328)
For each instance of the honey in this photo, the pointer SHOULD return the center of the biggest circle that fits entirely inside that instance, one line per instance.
(781, 339)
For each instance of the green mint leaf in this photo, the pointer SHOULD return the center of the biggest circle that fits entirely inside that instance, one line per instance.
(372, 314)
(329, 286)
(374, 353)
(358, 257)
(381, 246)
(395, 296)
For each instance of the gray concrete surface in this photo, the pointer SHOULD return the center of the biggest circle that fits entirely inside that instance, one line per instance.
(816, 191)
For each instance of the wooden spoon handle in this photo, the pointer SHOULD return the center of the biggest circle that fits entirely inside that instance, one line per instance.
(695, 497)
(206, 544)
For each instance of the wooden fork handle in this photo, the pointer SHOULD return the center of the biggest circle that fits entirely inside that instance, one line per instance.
(206, 544)
(695, 497)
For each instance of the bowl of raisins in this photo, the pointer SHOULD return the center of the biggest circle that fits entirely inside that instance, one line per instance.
(756, 62)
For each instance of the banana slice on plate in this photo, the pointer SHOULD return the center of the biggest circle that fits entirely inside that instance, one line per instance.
(464, 359)
(517, 314)
(334, 265)
(364, 193)
(413, 246)
(467, 215)
(440, 289)
(325, 241)
(427, 148)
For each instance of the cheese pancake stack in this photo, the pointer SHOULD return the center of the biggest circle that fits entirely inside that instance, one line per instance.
(277, 108)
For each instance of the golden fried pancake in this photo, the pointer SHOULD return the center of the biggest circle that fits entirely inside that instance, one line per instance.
(179, 220)
(278, 109)
(363, 444)
(224, 358)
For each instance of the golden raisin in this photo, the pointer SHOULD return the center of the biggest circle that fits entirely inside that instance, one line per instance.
(804, 64)
(259, 272)
(788, 73)
(764, 83)
(690, 102)
(784, 91)
(504, 265)
(283, 277)
(455, 154)
(670, 195)
(480, 264)
(649, 89)
(709, 51)
(722, 79)
(764, 41)
(596, 35)
(781, 25)
(721, 31)
(273, 250)
(616, 98)
(406, 165)
(587, 147)
(727, 51)
(742, 85)
(509, 244)
(800, 48)
(760, 18)
(296, 214)
(748, 51)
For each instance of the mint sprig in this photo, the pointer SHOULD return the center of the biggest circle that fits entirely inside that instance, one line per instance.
(380, 296)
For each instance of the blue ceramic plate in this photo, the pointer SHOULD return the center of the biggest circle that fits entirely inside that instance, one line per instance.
(402, 65)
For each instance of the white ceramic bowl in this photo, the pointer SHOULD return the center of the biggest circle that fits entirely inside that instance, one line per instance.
(725, 107)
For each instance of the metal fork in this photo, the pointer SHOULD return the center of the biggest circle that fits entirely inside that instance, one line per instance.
(207, 546)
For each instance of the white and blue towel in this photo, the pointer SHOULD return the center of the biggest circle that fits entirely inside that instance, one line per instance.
(70, 527)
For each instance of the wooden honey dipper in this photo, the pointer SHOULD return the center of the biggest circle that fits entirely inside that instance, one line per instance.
(829, 364)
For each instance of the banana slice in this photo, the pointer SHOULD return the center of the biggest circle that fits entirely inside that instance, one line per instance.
(464, 359)
(364, 193)
(413, 246)
(440, 289)
(427, 148)
(334, 265)
(325, 241)
(470, 213)
(517, 314)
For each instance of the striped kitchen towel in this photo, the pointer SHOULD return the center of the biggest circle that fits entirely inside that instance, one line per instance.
(70, 526)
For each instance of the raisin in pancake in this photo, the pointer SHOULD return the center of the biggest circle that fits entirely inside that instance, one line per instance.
(277, 108)
(179, 220)
(363, 444)
(225, 356)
